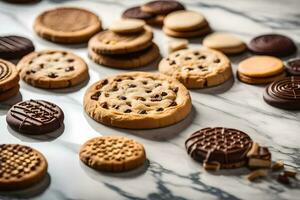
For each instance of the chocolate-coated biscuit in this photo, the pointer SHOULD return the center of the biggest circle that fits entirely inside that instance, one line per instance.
(293, 66)
(35, 117)
(21, 167)
(284, 93)
(162, 7)
(272, 44)
(9, 76)
(15, 47)
(112, 153)
(137, 13)
(223, 146)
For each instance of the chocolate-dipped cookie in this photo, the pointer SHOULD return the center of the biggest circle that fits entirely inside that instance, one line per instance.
(219, 147)
(137, 13)
(162, 7)
(35, 117)
(15, 47)
(284, 93)
(272, 44)
(293, 66)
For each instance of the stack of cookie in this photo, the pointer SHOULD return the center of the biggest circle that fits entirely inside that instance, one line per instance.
(126, 44)
(153, 12)
(186, 24)
(9, 80)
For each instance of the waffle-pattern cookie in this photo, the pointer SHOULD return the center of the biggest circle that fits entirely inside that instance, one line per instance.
(67, 25)
(112, 154)
(137, 100)
(35, 117)
(20, 166)
(197, 68)
(9, 76)
(223, 146)
(53, 69)
(109, 42)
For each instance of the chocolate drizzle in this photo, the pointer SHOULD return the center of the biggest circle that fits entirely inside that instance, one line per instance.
(223, 145)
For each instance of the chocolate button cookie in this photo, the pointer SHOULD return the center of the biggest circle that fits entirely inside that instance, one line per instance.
(197, 68)
(272, 44)
(162, 7)
(293, 66)
(284, 93)
(67, 25)
(35, 117)
(137, 100)
(15, 47)
(219, 147)
(53, 69)
(20, 167)
(112, 153)
(137, 13)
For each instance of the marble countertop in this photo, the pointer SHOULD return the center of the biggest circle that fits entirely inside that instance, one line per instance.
(170, 173)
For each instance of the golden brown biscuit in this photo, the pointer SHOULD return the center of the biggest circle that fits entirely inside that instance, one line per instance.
(112, 153)
(53, 69)
(187, 34)
(67, 25)
(127, 26)
(9, 76)
(197, 68)
(137, 100)
(108, 42)
(258, 81)
(21, 166)
(131, 60)
(9, 93)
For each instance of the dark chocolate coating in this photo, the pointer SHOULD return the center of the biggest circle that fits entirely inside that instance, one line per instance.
(35, 117)
(284, 93)
(224, 145)
(137, 13)
(293, 66)
(15, 47)
(164, 7)
(273, 45)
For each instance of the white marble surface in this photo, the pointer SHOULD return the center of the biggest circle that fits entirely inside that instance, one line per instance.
(171, 173)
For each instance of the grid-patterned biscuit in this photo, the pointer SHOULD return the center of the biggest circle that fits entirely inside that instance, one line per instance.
(138, 100)
(112, 153)
(197, 68)
(53, 69)
(20, 166)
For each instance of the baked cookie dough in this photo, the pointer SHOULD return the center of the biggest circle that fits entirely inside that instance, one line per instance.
(187, 34)
(21, 167)
(137, 100)
(67, 25)
(224, 42)
(112, 154)
(127, 26)
(109, 42)
(197, 68)
(53, 69)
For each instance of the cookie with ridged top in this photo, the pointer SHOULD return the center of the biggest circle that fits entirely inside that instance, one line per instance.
(137, 100)
(112, 154)
(20, 166)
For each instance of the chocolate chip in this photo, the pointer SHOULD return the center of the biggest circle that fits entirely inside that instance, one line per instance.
(130, 78)
(167, 59)
(118, 80)
(201, 57)
(164, 94)
(145, 82)
(217, 60)
(196, 53)
(104, 82)
(70, 60)
(173, 104)
(189, 68)
(104, 105)
(52, 75)
(131, 85)
(63, 53)
(56, 60)
(68, 69)
(141, 99)
(127, 111)
(175, 89)
(172, 62)
(159, 109)
(32, 71)
(114, 88)
(187, 58)
(96, 95)
(142, 112)
(148, 91)
(122, 98)
(42, 66)
(106, 95)
(28, 72)
(157, 84)
(116, 106)
(177, 55)
(128, 104)
(200, 67)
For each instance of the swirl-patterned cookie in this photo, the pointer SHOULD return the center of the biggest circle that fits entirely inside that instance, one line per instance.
(35, 117)
(9, 76)
(197, 68)
(112, 153)
(20, 166)
(224, 147)
(284, 93)
(109, 42)
(53, 69)
(67, 25)
(137, 100)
